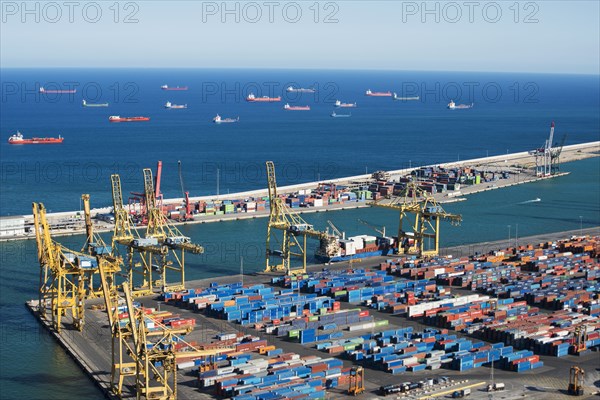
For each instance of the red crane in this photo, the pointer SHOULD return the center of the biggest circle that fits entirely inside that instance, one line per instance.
(137, 201)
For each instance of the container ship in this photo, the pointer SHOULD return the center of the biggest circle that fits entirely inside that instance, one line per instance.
(292, 89)
(68, 91)
(335, 115)
(18, 138)
(362, 246)
(219, 120)
(265, 99)
(169, 105)
(86, 104)
(296, 108)
(378, 94)
(344, 105)
(410, 98)
(453, 106)
(116, 118)
(166, 87)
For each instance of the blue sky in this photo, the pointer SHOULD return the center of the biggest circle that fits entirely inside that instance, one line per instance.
(544, 36)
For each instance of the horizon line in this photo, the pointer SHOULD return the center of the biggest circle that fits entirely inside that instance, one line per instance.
(303, 69)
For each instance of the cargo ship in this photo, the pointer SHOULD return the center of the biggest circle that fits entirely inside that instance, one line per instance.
(344, 105)
(265, 99)
(292, 89)
(378, 94)
(410, 98)
(68, 91)
(86, 104)
(116, 118)
(166, 87)
(362, 246)
(296, 108)
(168, 104)
(453, 106)
(219, 120)
(18, 138)
(335, 115)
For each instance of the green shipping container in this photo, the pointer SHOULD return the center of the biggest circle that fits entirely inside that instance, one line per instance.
(293, 334)
(381, 323)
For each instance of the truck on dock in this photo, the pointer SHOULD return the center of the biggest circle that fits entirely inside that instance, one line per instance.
(495, 387)
(461, 393)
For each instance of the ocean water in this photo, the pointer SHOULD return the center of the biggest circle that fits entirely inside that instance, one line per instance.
(512, 113)
(305, 146)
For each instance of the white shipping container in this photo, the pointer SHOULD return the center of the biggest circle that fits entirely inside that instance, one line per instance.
(259, 362)
(318, 203)
(358, 242)
(225, 370)
(411, 360)
(184, 365)
(439, 271)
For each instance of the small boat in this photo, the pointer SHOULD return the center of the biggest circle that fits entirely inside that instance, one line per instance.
(453, 106)
(86, 104)
(335, 115)
(291, 89)
(166, 87)
(168, 104)
(410, 98)
(265, 99)
(18, 138)
(296, 108)
(69, 91)
(116, 118)
(344, 105)
(219, 120)
(378, 94)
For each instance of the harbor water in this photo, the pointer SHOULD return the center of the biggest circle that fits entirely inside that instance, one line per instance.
(512, 113)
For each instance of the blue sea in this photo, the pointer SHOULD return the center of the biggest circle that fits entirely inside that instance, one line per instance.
(305, 146)
(512, 112)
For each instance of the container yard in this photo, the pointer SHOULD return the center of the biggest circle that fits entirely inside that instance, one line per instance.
(515, 319)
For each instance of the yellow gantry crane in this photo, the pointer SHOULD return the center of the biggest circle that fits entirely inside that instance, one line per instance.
(143, 350)
(576, 375)
(169, 237)
(580, 337)
(295, 232)
(62, 281)
(427, 216)
(96, 247)
(139, 251)
(356, 385)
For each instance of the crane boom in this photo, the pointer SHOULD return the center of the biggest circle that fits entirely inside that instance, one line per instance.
(373, 226)
(335, 229)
